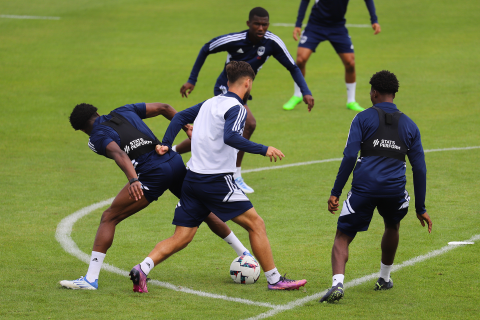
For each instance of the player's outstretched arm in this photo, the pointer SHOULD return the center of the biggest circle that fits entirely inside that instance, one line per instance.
(273, 153)
(425, 218)
(158, 108)
(114, 152)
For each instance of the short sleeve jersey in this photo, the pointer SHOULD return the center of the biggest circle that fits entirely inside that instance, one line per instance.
(102, 135)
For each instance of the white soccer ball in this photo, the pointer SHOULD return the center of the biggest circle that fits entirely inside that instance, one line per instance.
(245, 269)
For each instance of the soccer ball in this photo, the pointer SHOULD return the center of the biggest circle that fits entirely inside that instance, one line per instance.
(245, 269)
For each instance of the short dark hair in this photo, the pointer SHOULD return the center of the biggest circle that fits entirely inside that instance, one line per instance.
(385, 82)
(259, 12)
(81, 114)
(239, 69)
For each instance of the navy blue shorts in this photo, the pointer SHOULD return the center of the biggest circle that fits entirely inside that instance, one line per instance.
(338, 37)
(357, 212)
(220, 195)
(168, 175)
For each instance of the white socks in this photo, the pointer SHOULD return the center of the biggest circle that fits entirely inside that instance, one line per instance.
(96, 261)
(174, 148)
(272, 276)
(147, 265)
(351, 92)
(385, 271)
(233, 241)
(337, 278)
(297, 92)
(237, 173)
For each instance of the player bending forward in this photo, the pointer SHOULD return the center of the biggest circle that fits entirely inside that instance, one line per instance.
(209, 185)
(125, 138)
(384, 136)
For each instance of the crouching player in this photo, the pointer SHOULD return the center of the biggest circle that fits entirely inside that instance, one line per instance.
(384, 136)
(125, 138)
(209, 185)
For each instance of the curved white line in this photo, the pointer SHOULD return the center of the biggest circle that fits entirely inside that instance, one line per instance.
(64, 230)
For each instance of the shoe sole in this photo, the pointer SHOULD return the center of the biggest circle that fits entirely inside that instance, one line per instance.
(292, 288)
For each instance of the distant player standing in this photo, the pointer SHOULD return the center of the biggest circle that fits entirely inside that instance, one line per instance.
(125, 138)
(384, 136)
(209, 185)
(327, 22)
(254, 46)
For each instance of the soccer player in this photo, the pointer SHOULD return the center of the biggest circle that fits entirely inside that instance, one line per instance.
(254, 46)
(384, 136)
(327, 22)
(125, 138)
(209, 185)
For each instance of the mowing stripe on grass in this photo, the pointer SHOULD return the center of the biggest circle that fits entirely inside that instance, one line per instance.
(358, 281)
(64, 230)
(10, 16)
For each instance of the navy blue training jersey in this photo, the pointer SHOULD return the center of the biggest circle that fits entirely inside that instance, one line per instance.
(102, 135)
(380, 176)
(240, 48)
(330, 13)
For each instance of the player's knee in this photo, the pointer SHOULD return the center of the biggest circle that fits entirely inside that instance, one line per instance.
(350, 65)
(301, 61)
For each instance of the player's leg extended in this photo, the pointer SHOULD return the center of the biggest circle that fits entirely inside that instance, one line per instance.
(390, 240)
(250, 125)
(121, 208)
(221, 229)
(348, 60)
(257, 232)
(164, 249)
(303, 54)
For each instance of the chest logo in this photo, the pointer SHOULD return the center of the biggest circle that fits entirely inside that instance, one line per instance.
(261, 51)
(240, 50)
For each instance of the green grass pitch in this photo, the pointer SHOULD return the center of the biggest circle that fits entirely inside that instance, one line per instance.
(110, 53)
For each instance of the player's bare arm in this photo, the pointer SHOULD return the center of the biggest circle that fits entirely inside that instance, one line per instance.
(297, 31)
(333, 204)
(425, 218)
(158, 108)
(186, 89)
(273, 153)
(114, 152)
(376, 28)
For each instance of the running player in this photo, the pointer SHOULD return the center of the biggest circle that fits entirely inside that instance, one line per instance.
(384, 136)
(209, 185)
(327, 22)
(125, 138)
(254, 46)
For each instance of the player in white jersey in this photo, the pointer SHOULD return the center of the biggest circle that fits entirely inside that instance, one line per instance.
(209, 185)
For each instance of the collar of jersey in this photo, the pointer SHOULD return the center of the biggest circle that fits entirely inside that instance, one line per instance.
(233, 95)
(386, 105)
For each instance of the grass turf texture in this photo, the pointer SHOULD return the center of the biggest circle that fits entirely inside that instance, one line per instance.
(110, 53)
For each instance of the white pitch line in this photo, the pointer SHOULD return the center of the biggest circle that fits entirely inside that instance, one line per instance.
(64, 230)
(10, 16)
(348, 25)
(358, 281)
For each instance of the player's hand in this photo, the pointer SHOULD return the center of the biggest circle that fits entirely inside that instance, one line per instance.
(296, 33)
(308, 99)
(186, 89)
(188, 128)
(273, 153)
(333, 204)
(135, 190)
(161, 150)
(376, 28)
(425, 218)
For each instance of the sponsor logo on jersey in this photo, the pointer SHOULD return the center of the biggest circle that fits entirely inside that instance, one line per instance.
(261, 51)
(135, 144)
(389, 144)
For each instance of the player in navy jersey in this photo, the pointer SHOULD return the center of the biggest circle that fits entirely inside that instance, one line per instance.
(384, 136)
(327, 23)
(254, 46)
(209, 184)
(125, 138)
